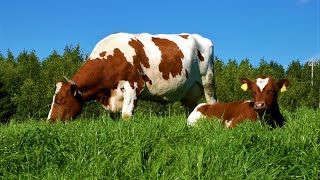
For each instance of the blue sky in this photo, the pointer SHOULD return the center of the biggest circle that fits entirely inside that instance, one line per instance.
(279, 30)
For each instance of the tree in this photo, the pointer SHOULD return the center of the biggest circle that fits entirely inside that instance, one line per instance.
(7, 108)
(298, 92)
(10, 58)
(27, 97)
(264, 69)
(294, 70)
(228, 84)
(246, 70)
(278, 70)
(72, 60)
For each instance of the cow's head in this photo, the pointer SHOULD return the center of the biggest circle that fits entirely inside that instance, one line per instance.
(67, 102)
(264, 91)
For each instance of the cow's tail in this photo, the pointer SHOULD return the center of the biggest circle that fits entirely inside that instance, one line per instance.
(209, 83)
(206, 49)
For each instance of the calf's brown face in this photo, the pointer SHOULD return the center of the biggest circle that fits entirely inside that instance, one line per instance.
(67, 102)
(264, 91)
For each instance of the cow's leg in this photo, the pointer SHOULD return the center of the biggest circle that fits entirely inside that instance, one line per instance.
(130, 97)
(115, 115)
(208, 86)
(189, 106)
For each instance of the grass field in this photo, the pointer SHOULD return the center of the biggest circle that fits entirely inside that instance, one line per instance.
(150, 147)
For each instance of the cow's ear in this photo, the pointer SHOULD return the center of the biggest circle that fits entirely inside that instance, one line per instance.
(246, 83)
(74, 90)
(283, 85)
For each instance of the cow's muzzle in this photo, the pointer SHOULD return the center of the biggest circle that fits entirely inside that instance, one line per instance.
(260, 105)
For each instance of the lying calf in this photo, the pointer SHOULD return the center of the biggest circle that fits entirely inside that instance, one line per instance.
(263, 104)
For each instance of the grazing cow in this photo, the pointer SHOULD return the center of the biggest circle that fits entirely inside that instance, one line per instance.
(123, 68)
(264, 104)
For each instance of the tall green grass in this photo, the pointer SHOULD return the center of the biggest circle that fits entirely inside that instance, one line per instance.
(150, 147)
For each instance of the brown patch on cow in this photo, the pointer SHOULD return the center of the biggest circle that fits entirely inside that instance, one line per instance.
(200, 55)
(103, 53)
(107, 73)
(146, 79)
(187, 74)
(171, 57)
(140, 57)
(233, 112)
(185, 36)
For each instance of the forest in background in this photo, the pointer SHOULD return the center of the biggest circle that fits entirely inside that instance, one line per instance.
(27, 83)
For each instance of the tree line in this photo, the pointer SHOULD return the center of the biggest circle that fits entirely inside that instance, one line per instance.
(27, 83)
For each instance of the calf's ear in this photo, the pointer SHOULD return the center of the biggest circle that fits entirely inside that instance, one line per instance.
(245, 83)
(283, 85)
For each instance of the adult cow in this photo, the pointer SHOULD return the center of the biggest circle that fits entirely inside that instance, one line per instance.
(124, 67)
(263, 104)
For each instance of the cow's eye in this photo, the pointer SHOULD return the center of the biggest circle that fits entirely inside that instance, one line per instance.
(58, 101)
(254, 93)
(270, 92)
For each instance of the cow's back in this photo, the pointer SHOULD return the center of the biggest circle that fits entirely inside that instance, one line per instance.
(175, 63)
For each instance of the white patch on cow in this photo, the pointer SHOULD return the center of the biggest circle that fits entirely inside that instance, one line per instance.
(110, 43)
(116, 100)
(195, 115)
(129, 96)
(228, 122)
(174, 88)
(247, 101)
(261, 83)
(58, 87)
(177, 88)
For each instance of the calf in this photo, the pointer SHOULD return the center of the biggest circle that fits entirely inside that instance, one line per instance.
(263, 104)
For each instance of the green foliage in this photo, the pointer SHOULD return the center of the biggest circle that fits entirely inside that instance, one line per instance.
(30, 83)
(151, 147)
(7, 75)
(5, 104)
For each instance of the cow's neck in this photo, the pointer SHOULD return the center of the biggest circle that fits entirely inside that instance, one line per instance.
(89, 80)
(272, 116)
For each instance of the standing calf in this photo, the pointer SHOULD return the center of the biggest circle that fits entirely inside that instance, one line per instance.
(263, 104)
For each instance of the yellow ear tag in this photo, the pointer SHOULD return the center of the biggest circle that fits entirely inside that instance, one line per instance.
(283, 89)
(75, 93)
(244, 86)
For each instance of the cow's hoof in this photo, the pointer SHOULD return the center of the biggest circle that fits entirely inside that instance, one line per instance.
(126, 116)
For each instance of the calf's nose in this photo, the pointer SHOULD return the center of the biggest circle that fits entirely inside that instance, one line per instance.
(260, 105)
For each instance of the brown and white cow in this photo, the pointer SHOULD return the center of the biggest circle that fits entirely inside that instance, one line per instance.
(263, 104)
(123, 68)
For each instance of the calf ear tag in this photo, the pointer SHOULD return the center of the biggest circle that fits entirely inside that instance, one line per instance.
(283, 89)
(244, 86)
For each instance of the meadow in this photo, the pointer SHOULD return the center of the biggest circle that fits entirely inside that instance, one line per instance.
(161, 147)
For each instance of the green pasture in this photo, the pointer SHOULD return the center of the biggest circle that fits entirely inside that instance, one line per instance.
(161, 147)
